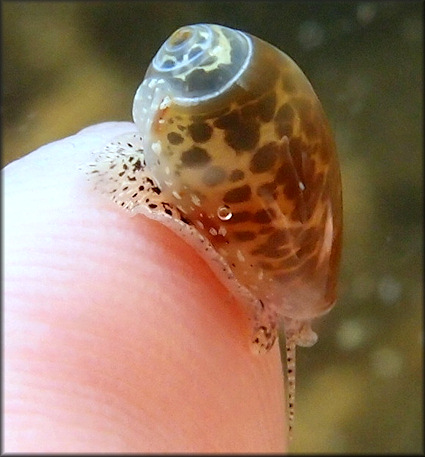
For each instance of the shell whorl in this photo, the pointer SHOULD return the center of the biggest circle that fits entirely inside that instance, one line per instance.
(201, 61)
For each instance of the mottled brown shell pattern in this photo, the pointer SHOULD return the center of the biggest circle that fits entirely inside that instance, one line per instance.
(236, 144)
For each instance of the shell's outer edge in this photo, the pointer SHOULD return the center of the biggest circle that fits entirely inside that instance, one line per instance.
(118, 171)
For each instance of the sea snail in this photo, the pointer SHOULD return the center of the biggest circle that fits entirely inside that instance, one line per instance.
(234, 152)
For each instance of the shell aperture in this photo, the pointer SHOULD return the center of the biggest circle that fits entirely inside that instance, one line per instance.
(235, 151)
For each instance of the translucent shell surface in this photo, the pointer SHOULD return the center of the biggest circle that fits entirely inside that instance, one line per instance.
(236, 139)
(235, 153)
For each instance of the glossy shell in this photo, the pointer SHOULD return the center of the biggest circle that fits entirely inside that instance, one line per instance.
(236, 139)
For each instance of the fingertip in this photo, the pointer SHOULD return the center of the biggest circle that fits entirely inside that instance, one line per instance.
(167, 338)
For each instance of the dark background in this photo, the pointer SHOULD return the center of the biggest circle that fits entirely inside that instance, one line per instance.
(67, 65)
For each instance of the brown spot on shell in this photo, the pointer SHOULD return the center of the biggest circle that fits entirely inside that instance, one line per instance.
(245, 137)
(236, 175)
(285, 113)
(285, 174)
(241, 216)
(175, 138)
(195, 157)
(264, 158)
(267, 107)
(291, 189)
(241, 134)
(262, 109)
(200, 132)
(283, 120)
(263, 216)
(201, 80)
(238, 195)
(284, 129)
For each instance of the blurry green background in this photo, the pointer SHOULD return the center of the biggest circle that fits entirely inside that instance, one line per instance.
(67, 65)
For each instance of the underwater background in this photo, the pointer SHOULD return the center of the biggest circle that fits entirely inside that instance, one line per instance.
(67, 65)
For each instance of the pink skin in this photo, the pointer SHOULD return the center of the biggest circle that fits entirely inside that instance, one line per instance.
(117, 336)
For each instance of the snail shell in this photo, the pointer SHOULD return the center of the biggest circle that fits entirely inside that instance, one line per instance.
(235, 153)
